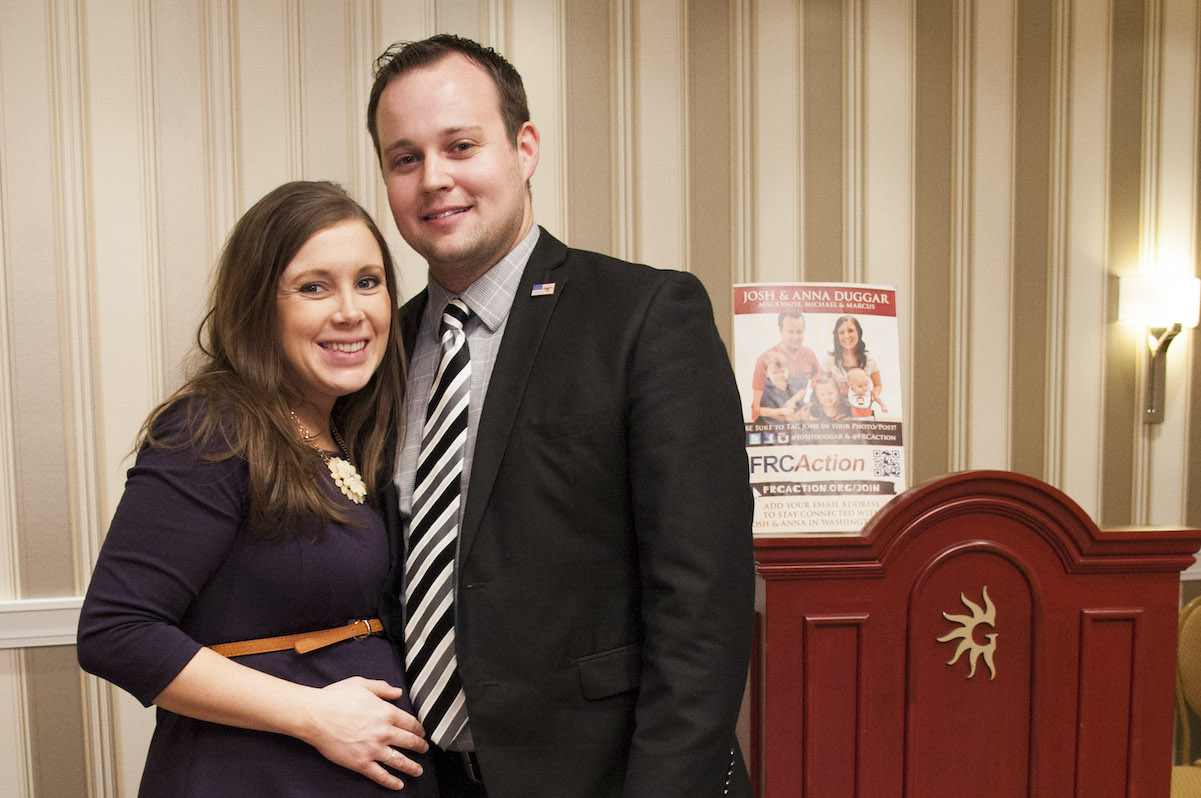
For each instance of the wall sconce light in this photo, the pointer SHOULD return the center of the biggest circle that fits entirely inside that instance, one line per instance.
(1166, 304)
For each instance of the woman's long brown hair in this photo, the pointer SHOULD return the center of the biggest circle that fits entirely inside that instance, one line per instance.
(237, 399)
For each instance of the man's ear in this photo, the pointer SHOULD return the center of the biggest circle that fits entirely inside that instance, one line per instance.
(527, 148)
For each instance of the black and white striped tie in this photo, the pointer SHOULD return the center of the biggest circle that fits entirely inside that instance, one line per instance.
(430, 662)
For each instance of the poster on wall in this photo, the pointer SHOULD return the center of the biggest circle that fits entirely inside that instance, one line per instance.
(818, 369)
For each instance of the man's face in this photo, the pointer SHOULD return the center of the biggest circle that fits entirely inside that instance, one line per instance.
(792, 333)
(456, 183)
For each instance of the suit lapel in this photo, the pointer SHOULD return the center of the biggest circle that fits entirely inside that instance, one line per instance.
(410, 322)
(523, 333)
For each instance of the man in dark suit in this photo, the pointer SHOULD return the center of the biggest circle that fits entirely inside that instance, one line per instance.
(595, 498)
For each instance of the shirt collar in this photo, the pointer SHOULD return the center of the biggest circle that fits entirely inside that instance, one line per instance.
(491, 296)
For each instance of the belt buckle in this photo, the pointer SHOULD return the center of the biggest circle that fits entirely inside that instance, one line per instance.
(366, 627)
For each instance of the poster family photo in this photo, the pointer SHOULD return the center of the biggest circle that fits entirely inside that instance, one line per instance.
(818, 370)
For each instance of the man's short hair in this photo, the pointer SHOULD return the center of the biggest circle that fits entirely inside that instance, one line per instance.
(791, 313)
(403, 57)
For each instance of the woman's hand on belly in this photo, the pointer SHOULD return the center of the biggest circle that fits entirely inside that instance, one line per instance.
(352, 724)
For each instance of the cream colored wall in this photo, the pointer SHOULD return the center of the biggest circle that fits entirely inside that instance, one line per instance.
(994, 161)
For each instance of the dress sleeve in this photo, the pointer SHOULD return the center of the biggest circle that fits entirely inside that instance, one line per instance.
(172, 529)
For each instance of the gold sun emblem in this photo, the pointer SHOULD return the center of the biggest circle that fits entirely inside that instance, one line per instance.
(967, 626)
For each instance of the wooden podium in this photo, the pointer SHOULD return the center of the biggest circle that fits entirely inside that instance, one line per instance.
(981, 639)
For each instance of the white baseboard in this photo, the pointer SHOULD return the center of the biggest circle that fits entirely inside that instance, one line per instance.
(28, 623)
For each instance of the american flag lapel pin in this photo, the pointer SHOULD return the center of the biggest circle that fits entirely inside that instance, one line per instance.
(543, 289)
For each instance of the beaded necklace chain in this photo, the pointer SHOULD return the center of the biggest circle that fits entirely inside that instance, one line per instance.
(344, 474)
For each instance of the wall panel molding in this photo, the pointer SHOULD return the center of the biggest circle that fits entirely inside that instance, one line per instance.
(1175, 240)
(661, 97)
(9, 575)
(150, 170)
(1191, 490)
(963, 170)
(126, 233)
(775, 155)
(823, 130)
(20, 38)
(1125, 352)
(538, 49)
(403, 20)
(222, 120)
(742, 142)
(499, 22)
(1149, 226)
(1030, 278)
(295, 75)
(989, 362)
(1086, 299)
(625, 100)
(267, 97)
(712, 166)
(889, 171)
(16, 775)
(75, 257)
(930, 418)
(76, 254)
(30, 623)
(853, 49)
(1061, 32)
(588, 109)
(362, 49)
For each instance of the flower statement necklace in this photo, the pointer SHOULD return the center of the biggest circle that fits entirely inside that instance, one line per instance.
(345, 475)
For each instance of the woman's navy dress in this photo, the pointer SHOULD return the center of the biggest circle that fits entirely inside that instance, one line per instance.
(178, 571)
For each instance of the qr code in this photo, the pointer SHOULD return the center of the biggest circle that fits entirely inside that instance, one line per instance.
(886, 463)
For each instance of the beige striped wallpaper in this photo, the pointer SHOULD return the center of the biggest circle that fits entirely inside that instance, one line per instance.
(997, 161)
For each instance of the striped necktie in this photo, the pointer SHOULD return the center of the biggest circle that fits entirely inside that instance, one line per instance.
(430, 662)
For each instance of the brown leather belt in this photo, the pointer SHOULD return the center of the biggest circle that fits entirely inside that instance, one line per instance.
(304, 642)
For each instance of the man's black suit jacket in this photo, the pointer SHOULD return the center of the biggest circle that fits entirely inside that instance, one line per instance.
(605, 579)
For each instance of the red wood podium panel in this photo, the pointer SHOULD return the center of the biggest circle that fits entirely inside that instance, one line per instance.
(982, 638)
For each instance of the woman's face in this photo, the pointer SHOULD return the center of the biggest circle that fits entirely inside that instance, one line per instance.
(848, 335)
(827, 395)
(334, 313)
